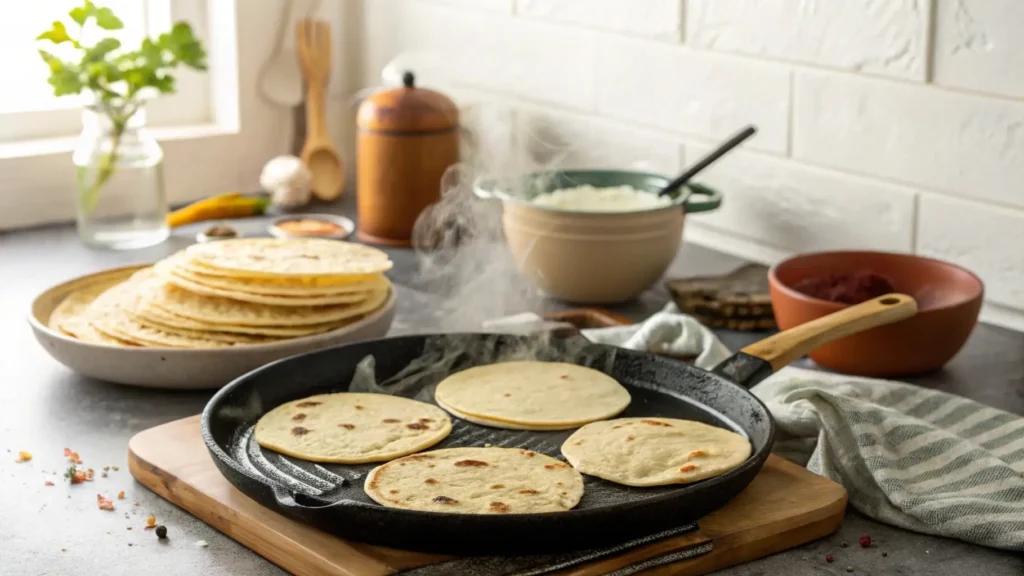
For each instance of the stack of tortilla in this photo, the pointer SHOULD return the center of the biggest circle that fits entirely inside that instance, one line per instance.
(231, 293)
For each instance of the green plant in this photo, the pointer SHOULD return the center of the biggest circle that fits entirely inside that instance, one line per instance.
(118, 80)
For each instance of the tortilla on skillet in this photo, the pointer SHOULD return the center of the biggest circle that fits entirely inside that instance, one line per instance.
(352, 428)
(476, 481)
(654, 451)
(532, 395)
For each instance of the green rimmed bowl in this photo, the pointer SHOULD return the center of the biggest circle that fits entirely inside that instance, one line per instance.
(593, 257)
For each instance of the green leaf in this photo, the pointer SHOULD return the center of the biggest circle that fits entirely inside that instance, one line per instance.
(82, 13)
(152, 54)
(56, 34)
(182, 44)
(65, 81)
(106, 19)
(98, 52)
(55, 64)
(165, 83)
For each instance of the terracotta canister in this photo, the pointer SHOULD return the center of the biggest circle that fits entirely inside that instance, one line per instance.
(407, 138)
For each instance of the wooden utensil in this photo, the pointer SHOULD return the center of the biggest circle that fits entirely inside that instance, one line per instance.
(319, 153)
(280, 79)
(708, 160)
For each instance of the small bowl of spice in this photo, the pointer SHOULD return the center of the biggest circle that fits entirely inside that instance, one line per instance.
(312, 226)
(809, 286)
(218, 232)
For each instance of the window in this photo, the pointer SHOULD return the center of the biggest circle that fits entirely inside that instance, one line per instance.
(28, 108)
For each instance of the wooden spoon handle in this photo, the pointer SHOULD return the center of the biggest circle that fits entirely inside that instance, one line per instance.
(785, 347)
(316, 123)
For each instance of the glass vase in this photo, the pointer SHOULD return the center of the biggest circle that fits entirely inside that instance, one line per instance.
(120, 186)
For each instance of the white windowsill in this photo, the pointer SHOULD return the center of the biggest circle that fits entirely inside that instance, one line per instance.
(49, 146)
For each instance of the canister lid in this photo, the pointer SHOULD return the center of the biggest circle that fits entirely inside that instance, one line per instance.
(407, 109)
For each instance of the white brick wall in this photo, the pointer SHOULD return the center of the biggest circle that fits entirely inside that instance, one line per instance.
(883, 124)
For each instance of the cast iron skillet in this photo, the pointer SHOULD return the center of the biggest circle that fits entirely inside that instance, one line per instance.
(331, 497)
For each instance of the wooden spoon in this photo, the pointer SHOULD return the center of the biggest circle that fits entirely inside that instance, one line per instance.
(319, 153)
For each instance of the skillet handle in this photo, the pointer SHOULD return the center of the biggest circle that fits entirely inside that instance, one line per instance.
(755, 362)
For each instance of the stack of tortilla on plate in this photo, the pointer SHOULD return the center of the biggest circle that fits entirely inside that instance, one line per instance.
(231, 293)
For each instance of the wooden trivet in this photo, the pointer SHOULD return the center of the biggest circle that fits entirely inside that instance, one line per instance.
(737, 301)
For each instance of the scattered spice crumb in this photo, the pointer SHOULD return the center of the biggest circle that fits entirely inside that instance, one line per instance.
(63, 549)
(161, 531)
(48, 483)
(23, 457)
(114, 468)
(201, 543)
(106, 468)
(849, 568)
(865, 541)
(103, 474)
(75, 476)
(884, 554)
(150, 522)
(120, 495)
(72, 456)
(129, 528)
(829, 558)
(104, 503)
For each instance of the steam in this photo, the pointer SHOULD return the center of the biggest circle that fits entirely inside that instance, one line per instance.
(466, 266)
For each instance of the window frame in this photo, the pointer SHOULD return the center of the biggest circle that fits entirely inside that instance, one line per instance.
(222, 153)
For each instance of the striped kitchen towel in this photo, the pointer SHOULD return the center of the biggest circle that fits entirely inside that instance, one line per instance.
(908, 456)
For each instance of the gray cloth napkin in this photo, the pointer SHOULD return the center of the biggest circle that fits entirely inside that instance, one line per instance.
(909, 456)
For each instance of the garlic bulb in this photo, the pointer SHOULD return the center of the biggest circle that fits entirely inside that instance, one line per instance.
(288, 181)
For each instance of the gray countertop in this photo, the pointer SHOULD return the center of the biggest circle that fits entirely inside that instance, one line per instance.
(59, 530)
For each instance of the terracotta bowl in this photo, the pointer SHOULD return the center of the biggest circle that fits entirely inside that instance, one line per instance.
(593, 257)
(949, 299)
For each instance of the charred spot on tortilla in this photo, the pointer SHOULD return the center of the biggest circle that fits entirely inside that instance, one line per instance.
(630, 437)
(390, 420)
(419, 457)
(473, 463)
(556, 465)
(497, 486)
(688, 467)
(696, 454)
(347, 426)
(300, 431)
(445, 500)
(499, 506)
(416, 426)
(528, 491)
(656, 423)
(308, 404)
(529, 453)
(358, 407)
(430, 481)
(299, 417)
(426, 419)
(392, 491)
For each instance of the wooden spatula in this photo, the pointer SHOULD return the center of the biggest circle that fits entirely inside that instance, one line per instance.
(319, 153)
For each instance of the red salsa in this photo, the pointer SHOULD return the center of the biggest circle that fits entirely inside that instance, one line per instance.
(851, 288)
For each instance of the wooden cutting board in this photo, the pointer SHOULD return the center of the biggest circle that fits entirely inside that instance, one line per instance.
(785, 506)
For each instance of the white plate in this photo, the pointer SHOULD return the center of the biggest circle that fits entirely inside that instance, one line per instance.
(177, 368)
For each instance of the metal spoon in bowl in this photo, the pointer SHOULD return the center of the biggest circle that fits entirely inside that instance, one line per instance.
(708, 160)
